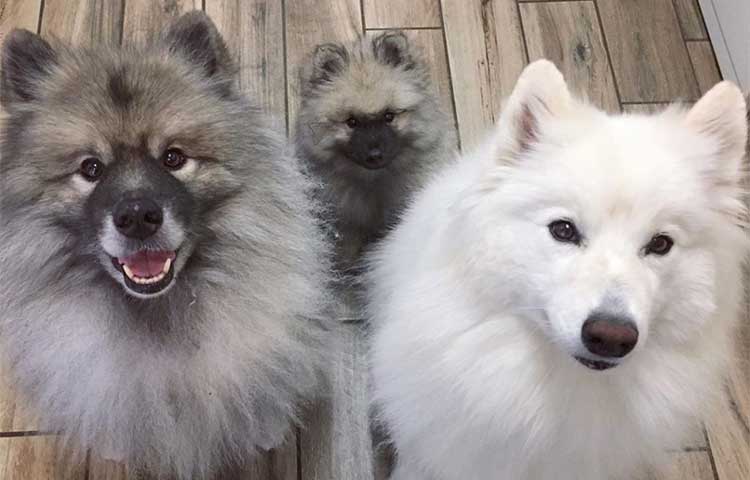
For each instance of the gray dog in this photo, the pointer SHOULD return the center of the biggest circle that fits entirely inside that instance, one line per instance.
(372, 130)
(162, 271)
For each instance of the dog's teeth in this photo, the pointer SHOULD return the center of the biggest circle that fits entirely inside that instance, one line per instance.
(148, 280)
(128, 272)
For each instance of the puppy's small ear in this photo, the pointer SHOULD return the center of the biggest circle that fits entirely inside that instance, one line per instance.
(329, 60)
(540, 94)
(392, 48)
(721, 117)
(195, 37)
(27, 60)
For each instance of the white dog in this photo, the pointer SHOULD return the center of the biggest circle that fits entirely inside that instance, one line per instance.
(560, 304)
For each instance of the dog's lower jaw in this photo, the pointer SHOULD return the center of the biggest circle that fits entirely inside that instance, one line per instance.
(159, 285)
(597, 365)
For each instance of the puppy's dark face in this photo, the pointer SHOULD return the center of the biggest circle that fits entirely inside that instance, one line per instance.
(373, 141)
(365, 107)
(127, 153)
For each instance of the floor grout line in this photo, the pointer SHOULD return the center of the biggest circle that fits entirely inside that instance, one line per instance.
(25, 433)
(286, 67)
(550, 1)
(685, 44)
(711, 455)
(362, 15)
(372, 29)
(41, 14)
(450, 76)
(523, 32)
(122, 21)
(609, 55)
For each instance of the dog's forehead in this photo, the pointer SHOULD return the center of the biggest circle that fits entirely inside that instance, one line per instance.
(370, 88)
(626, 170)
(122, 100)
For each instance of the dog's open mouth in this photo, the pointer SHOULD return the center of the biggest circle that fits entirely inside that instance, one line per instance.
(147, 272)
(595, 364)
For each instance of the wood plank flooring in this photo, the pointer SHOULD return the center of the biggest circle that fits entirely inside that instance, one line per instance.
(629, 55)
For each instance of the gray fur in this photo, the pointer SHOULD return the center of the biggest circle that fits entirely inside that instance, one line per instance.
(372, 75)
(213, 370)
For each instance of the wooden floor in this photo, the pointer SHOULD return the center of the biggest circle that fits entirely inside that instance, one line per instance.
(631, 55)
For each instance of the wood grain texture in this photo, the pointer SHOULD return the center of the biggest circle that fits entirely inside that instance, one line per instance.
(19, 14)
(100, 469)
(146, 19)
(432, 46)
(278, 464)
(649, 57)
(15, 414)
(568, 34)
(309, 23)
(729, 429)
(704, 64)
(691, 20)
(254, 33)
(83, 22)
(336, 442)
(38, 458)
(687, 466)
(7, 401)
(486, 55)
(644, 107)
(401, 14)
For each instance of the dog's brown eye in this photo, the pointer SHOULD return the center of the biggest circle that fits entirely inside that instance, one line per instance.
(389, 116)
(352, 122)
(174, 159)
(659, 245)
(91, 169)
(564, 231)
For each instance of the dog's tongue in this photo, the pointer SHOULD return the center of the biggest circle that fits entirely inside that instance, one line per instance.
(147, 263)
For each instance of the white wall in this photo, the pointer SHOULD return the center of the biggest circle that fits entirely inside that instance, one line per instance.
(728, 23)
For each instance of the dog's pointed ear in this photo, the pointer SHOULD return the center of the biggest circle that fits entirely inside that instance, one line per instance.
(392, 48)
(195, 37)
(27, 60)
(721, 116)
(329, 60)
(540, 94)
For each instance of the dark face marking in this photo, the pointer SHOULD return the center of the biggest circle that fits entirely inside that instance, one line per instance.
(154, 183)
(373, 143)
(119, 90)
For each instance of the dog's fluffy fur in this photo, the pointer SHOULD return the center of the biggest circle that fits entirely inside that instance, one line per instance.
(477, 311)
(373, 77)
(213, 369)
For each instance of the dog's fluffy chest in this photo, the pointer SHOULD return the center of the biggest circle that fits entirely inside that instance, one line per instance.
(521, 411)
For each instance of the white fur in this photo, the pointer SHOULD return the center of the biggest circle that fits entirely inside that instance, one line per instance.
(477, 311)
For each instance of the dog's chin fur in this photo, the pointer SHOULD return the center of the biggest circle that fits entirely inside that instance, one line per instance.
(476, 311)
(212, 371)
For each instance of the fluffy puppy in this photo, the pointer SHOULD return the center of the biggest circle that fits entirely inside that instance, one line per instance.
(371, 129)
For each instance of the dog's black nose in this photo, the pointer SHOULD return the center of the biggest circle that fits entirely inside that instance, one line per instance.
(138, 218)
(375, 155)
(608, 335)
(375, 158)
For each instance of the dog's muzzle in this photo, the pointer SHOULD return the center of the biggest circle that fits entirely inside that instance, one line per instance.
(142, 241)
